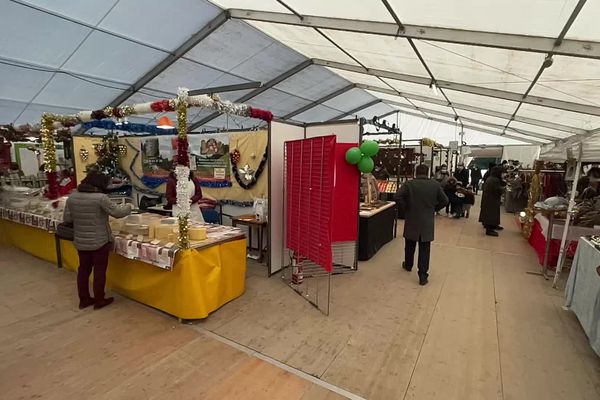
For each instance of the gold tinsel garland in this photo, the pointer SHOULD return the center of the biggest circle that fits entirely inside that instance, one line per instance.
(183, 219)
(535, 190)
(182, 107)
(47, 134)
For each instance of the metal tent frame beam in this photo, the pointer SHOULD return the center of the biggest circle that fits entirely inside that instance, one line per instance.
(320, 101)
(478, 110)
(172, 57)
(355, 110)
(273, 82)
(476, 128)
(475, 121)
(461, 87)
(536, 44)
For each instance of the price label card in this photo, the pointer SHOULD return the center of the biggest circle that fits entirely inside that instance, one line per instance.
(155, 242)
(128, 237)
(140, 238)
(169, 245)
(219, 173)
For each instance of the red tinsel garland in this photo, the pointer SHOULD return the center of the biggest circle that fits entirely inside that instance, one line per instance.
(161, 106)
(182, 152)
(261, 114)
(52, 185)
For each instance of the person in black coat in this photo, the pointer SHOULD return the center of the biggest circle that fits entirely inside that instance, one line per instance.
(475, 178)
(462, 175)
(421, 198)
(490, 202)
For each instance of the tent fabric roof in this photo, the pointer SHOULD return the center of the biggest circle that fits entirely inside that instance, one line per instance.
(480, 66)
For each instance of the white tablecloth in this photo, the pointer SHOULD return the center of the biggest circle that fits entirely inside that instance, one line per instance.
(370, 213)
(583, 291)
(575, 232)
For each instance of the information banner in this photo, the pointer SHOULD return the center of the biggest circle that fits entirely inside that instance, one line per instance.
(157, 155)
(211, 155)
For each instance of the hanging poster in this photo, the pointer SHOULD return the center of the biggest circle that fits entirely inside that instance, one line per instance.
(211, 153)
(157, 155)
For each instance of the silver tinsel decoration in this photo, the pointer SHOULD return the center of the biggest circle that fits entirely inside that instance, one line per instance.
(183, 198)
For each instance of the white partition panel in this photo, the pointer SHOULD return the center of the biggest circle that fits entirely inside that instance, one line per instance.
(279, 133)
(346, 131)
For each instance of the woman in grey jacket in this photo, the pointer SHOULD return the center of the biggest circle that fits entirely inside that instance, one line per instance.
(88, 210)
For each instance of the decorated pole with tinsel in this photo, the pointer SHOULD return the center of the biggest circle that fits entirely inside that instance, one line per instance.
(182, 171)
(47, 133)
(535, 189)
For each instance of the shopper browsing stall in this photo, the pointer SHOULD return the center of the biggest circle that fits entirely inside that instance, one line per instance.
(421, 198)
(491, 199)
(88, 210)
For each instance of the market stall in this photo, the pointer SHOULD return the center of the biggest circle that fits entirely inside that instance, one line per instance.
(186, 284)
(180, 266)
(377, 227)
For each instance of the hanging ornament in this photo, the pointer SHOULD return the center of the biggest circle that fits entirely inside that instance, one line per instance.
(235, 156)
(122, 150)
(84, 154)
(247, 173)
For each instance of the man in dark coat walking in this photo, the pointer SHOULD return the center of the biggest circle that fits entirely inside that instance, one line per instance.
(490, 202)
(421, 198)
(475, 178)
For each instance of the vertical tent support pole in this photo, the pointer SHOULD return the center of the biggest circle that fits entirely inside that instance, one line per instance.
(563, 242)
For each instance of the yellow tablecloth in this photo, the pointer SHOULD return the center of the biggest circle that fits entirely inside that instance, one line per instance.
(201, 280)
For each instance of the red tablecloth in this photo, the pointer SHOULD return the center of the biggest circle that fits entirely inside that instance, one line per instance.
(538, 242)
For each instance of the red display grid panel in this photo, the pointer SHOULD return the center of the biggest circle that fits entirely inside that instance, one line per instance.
(310, 167)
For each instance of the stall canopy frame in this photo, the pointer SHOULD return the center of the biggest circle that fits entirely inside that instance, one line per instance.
(485, 66)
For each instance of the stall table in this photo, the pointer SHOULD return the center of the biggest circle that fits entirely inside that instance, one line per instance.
(188, 284)
(252, 223)
(376, 228)
(583, 290)
(547, 233)
(161, 210)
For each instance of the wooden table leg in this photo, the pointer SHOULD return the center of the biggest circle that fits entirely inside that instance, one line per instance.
(260, 244)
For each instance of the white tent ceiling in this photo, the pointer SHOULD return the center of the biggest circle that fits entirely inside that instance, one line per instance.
(442, 65)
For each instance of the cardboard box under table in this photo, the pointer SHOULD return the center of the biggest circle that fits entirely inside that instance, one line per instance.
(199, 280)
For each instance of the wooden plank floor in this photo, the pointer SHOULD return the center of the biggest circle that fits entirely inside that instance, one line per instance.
(51, 350)
(482, 329)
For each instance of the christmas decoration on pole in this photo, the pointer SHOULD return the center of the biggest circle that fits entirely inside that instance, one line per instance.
(182, 171)
(535, 189)
(47, 133)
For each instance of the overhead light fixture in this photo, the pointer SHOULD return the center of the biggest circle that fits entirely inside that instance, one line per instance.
(165, 122)
(31, 138)
(433, 86)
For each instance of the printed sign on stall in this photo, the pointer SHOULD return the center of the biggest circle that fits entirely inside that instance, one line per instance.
(211, 152)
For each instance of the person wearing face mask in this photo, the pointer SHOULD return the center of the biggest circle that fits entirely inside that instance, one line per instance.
(442, 175)
(462, 174)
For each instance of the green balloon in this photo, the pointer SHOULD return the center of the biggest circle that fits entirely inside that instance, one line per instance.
(369, 148)
(353, 155)
(366, 165)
